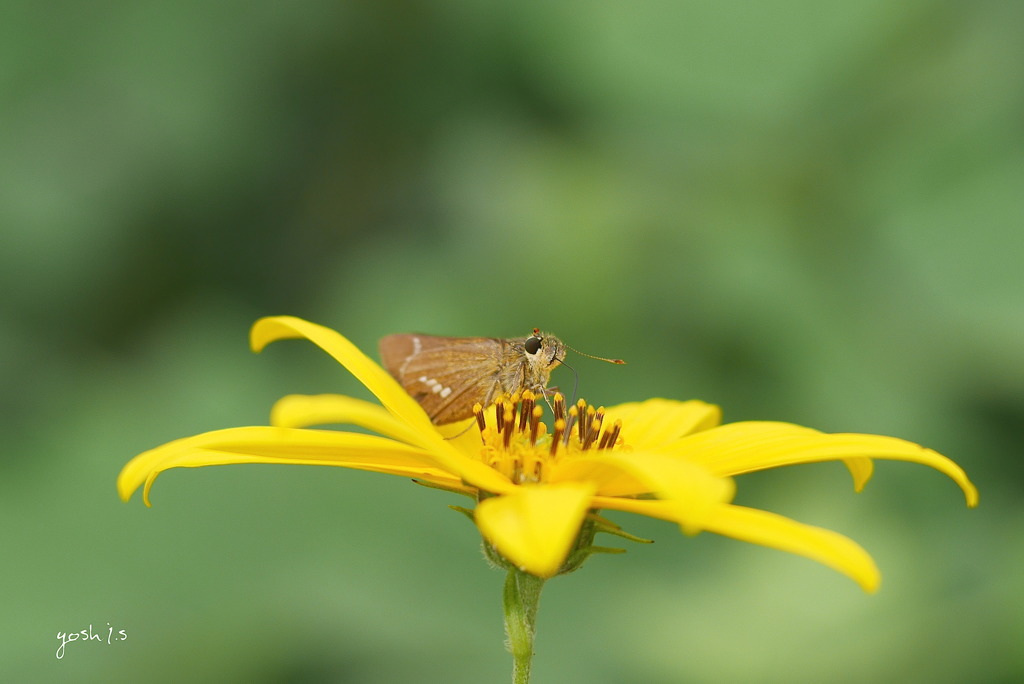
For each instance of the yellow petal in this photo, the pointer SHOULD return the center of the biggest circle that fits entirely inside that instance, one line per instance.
(768, 529)
(303, 410)
(778, 532)
(718, 444)
(280, 446)
(655, 422)
(454, 432)
(535, 526)
(744, 447)
(861, 470)
(376, 379)
(689, 487)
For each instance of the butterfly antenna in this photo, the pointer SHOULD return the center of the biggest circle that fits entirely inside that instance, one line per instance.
(591, 356)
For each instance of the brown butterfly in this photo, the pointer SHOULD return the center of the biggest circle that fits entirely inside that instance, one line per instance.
(448, 375)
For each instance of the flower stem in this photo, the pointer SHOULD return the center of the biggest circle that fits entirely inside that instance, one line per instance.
(521, 596)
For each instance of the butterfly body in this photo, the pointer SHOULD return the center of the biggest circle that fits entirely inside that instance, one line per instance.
(448, 375)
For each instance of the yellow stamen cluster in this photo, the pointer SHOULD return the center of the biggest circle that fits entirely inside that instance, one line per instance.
(519, 445)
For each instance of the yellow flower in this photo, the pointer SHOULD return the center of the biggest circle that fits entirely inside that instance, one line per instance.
(537, 491)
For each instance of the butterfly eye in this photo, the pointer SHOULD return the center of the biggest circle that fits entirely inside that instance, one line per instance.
(532, 344)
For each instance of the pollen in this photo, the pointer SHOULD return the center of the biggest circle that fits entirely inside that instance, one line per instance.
(517, 442)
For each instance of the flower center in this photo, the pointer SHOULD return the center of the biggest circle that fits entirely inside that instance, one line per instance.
(519, 444)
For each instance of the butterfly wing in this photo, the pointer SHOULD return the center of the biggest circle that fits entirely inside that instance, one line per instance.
(446, 375)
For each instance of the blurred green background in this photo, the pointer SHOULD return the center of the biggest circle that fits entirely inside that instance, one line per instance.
(800, 211)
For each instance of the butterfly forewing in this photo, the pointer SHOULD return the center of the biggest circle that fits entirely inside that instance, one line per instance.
(446, 375)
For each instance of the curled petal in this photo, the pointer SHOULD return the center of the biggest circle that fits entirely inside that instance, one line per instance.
(825, 546)
(377, 380)
(769, 529)
(861, 469)
(744, 447)
(535, 526)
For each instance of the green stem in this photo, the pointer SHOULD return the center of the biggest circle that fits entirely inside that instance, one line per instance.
(521, 596)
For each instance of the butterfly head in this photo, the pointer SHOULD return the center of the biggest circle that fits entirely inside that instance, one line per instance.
(543, 352)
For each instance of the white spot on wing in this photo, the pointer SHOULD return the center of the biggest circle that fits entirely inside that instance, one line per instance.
(435, 386)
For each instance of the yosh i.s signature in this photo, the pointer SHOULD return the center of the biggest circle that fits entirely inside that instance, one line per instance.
(112, 636)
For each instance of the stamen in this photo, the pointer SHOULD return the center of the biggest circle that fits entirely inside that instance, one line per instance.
(609, 437)
(521, 462)
(499, 414)
(526, 411)
(559, 430)
(513, 404)
(595, 419)
(595, 430)
(586, 421)
(535, 417)
(585, 415)
(510, 425)
(559, 407)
